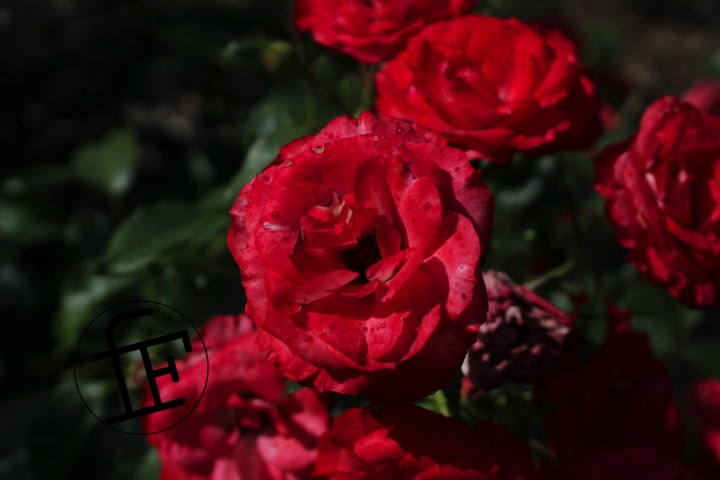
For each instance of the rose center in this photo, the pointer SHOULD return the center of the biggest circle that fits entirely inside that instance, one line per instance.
(366, 254)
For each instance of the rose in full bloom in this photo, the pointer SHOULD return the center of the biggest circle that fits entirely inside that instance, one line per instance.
(662, 193)
(704, 95)
(372, 30)
(243, 427)
(401, 443)
(360, 250)
(618, 398)
(705, 396)
(522, 336)
(493, 87)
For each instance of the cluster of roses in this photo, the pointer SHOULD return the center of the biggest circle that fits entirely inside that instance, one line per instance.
(361, 251)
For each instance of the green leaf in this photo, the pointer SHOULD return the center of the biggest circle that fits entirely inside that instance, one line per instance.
(149, 466)
(23, 222)
(37, 180)
(83, 298)
(261, 154)
(156, 229)
(702, 355)
(108, 164)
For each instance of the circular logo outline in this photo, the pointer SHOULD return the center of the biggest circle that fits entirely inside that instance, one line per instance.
(199, 336)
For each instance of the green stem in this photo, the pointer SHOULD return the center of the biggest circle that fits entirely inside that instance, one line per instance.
(557, 272)
(367, 76)
(542, 450)
(311, 99)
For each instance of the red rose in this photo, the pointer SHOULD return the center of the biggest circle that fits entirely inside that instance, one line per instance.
(360, 250)
(242, 427)
(522, 336)
(627, 464)
(493, 87)
(372, 30)
(705, 396)
(620, 397)
(662, 192)
(400, 443)
(704, 95)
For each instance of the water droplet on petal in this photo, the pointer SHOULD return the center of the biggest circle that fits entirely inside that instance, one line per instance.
(319, 149)
(382, 325)
(288, 164)
(399, 130)
(375, 143)
(324, 334)
(275, 214)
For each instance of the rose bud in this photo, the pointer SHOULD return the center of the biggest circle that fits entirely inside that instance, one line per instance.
(619, 397)
(242, 427)
(360, 250)
(522, 336)
(662, 194)
(413, 443)
(372, 30)
(493, 87)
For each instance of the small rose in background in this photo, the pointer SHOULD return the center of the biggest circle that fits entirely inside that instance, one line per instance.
(360, 250)
(413, 443)
(522, 336)
(243, 426)
(662, 193)
(493, 87)
(704, 95)
(373, 30)
(618, 398)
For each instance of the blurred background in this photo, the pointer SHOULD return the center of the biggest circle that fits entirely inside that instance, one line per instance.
(128, 128)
